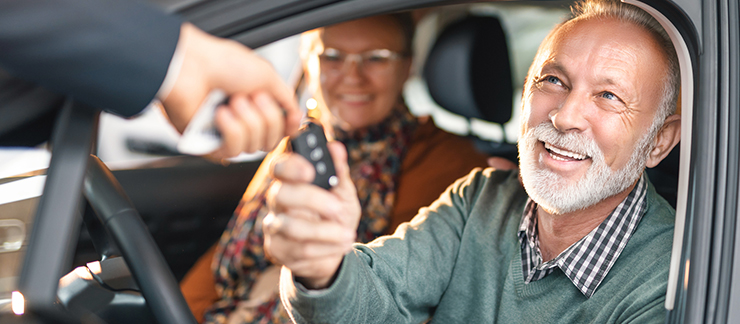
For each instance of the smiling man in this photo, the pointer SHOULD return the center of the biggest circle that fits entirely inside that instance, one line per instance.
(587, 240)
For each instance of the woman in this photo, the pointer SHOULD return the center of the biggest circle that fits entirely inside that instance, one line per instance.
(398, 162)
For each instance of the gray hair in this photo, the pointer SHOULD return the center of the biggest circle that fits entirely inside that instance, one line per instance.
(614, 9)
(599, 9)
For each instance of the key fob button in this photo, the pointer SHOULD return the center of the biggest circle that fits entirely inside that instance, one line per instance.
(317, 154)
(311, 140)
(321, 168)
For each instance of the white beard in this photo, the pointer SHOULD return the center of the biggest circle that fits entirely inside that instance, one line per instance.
(558, 195)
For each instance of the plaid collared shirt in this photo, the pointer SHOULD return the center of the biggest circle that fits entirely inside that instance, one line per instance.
(587, 261)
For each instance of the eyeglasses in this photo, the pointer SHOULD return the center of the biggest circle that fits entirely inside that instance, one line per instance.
(376, 61)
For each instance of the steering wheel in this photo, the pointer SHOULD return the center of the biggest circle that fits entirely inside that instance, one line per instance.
(146, 263)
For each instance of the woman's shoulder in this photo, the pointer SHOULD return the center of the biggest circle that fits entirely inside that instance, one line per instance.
(427, 130)
(431, 142)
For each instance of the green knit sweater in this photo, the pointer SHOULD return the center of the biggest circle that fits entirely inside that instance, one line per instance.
(459, 261)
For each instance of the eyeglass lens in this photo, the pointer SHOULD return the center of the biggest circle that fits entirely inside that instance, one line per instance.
(373, 61)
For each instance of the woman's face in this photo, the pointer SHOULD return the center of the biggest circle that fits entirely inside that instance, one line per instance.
(363, 92)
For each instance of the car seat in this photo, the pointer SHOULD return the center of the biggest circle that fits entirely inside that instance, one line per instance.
(468, 73)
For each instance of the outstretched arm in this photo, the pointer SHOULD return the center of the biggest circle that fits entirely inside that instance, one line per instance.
(394, 279)
(115, 54)
(110, 54)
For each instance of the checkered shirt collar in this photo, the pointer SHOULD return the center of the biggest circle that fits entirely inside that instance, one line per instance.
(587, 261)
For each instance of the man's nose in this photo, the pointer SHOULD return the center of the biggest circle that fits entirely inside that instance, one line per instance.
(570, 115)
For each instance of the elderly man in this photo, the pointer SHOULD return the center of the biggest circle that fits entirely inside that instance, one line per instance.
(586, 241)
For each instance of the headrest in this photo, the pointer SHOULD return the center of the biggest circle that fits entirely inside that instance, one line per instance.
(468, 71)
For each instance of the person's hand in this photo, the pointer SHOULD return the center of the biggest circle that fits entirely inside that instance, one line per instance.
(309, 229)
(251, 123)
(262, 108)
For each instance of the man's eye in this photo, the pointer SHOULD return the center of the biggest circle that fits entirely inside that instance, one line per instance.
(610, 96)
(553, 80)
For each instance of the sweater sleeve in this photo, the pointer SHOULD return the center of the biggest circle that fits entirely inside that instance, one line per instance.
(110, 54)
(394, 279)
(432, 152)
(653, 313)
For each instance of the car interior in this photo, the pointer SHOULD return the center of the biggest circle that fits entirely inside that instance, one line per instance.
(469, 67)
(188, 219)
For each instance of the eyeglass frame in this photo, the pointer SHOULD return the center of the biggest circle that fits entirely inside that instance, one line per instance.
(359, 58)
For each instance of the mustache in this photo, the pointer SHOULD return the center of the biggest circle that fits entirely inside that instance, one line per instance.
(574, 142)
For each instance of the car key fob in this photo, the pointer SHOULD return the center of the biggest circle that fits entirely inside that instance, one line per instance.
(201, 135)
(310, 142)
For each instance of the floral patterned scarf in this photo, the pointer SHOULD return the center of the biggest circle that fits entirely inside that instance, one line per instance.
(375, 155)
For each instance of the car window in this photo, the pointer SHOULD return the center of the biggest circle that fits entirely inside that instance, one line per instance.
(681, 34)
(126, 143)
(129, 143)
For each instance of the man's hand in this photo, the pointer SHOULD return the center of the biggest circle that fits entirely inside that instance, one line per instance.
(309, 229)
(262, 109)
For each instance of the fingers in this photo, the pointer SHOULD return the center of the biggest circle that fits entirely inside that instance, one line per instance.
(292, 168)
(249, 124)
(294, 189)
(251, 120)
(275, 93)
(284, 98)
(346, 188)
(311, 249)
(210, 63)
(299, 229)
(309, 229)
(240, 70)
(236, 123)
(307, 196)
(339, 156)
(295, 168)
(272, 115)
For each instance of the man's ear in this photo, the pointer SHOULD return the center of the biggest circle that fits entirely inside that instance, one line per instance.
(668, 136)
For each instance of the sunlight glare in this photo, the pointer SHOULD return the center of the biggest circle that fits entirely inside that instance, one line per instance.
(17, 302)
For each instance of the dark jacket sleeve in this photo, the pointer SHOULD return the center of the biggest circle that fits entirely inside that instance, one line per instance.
(110, 54)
